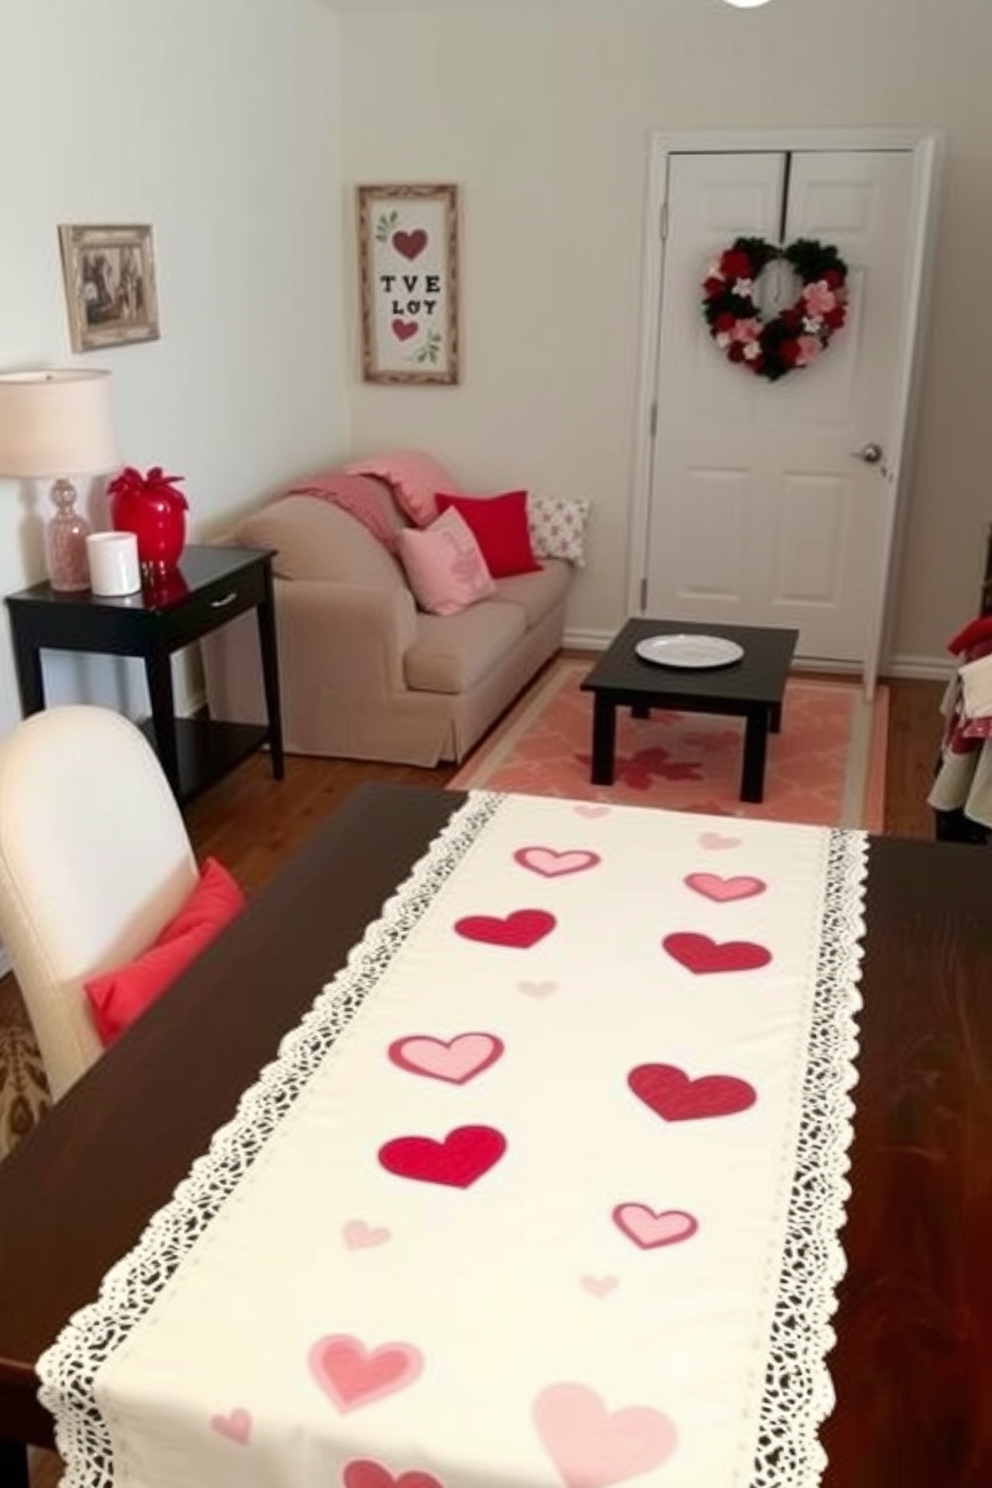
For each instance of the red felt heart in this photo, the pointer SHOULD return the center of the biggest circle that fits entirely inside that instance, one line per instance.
(522, 929)
(464, 1155)
(700, 954)
(410, 244)
(404, 329)
(364, 1472)
(671, 1094)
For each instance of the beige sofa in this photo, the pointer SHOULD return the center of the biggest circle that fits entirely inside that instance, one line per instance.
(365, 674)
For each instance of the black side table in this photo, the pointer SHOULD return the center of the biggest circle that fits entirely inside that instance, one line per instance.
(211, 586)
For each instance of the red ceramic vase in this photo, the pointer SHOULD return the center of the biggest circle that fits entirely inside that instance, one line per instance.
(158, 521)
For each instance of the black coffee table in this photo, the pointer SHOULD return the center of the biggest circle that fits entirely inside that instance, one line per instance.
(751, 688)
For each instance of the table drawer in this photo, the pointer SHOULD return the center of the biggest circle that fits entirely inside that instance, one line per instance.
(216, 603)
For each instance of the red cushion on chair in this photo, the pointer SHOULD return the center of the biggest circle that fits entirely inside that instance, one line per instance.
(119, 996)
(501, 530)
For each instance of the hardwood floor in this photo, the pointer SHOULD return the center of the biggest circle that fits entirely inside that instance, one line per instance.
(915, 726)
(252, 824)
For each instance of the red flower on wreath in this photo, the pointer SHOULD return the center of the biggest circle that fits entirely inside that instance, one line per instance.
(800, 333)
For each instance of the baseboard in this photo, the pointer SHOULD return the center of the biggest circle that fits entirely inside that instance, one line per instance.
(589, 640)
(922, 668)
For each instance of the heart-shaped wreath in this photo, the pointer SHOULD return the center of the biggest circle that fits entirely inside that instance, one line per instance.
(795, 338)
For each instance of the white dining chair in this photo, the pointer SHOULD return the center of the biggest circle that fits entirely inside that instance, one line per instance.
(94, 861)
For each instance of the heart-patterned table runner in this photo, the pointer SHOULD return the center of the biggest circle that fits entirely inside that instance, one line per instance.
(533, 1214)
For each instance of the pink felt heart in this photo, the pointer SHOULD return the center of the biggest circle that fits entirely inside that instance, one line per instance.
(725, 890)
(411, 244)
(363, 1472)
(591, 813)
(593, 1447)
(600, 1286)
(552, 864)
(537, 989)
(456, 1060)
(352, 1375)
(521, 929)
(236, 1426)
(361, 1236)
(716, 841)
(651, 1228)
(463, 1157)
(404, 329)
(671, 1094)
(703, 956)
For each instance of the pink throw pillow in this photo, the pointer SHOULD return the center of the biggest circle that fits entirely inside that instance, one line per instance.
(444, 566)
(414, 476)
(120, 996)
(501, 529)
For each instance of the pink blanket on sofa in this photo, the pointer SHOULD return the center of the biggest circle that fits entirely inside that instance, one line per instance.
(363, 498)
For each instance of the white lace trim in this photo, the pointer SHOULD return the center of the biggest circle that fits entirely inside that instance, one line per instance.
(798, 1391)
(68, 1369)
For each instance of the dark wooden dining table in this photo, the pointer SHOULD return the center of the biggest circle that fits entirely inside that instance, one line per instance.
(912, 1365)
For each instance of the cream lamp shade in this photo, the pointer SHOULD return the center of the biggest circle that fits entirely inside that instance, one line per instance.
(56, 423)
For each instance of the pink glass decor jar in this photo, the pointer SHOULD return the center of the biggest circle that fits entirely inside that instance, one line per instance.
(154, 509)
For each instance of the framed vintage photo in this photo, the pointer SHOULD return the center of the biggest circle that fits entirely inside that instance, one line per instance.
(408, 264)
(109, 285)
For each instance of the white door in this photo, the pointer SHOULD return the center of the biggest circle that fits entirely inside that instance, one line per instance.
(761, 512)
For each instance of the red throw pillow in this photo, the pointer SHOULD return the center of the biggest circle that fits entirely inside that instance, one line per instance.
(118, 997)
(501, 530)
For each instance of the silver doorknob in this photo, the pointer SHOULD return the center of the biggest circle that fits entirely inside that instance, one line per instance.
(871, 453)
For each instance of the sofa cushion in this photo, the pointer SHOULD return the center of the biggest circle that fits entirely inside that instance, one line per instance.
(536, 593)
(446, 570)
(120, 996)
(315, 540)
(558, 527)
(452, 653)
(500, 526)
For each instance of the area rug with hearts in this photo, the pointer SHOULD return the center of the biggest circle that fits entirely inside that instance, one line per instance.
(826, 767)
(546, 1188)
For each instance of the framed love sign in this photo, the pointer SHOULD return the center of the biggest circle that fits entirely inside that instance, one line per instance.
(408, 262)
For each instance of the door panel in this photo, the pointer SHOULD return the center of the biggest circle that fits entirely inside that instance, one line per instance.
(711, 534)
(759, 513)
(812, 536)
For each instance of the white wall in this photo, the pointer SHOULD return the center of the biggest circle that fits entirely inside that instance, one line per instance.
(543, 114)
(218, 122)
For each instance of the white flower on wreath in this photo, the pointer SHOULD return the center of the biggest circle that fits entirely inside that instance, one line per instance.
(744, 288)
(812, 325)
(713, 270)
(723, 339)
(752, 351)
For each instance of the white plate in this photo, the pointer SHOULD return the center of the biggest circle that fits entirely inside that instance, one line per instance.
(695, 651)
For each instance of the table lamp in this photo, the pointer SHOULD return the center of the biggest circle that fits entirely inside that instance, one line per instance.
(55, 423)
